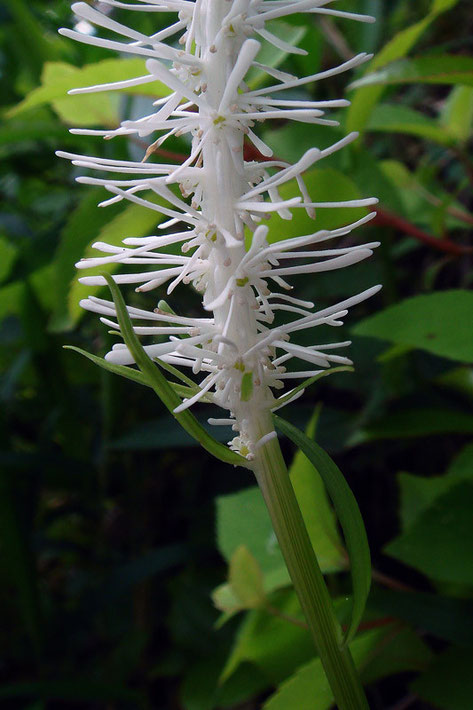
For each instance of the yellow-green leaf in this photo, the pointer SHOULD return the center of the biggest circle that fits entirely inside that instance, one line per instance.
(246, 579)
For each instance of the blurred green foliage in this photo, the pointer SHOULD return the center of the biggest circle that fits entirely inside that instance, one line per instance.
(116, 533)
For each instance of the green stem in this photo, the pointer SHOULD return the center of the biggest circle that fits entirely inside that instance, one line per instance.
(273, 479)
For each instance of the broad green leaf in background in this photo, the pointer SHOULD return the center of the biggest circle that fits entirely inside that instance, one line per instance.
(348, 514)
(246, 579)
(396, 118)
(366, 98)
(201, 689)
(457, 113)
(36, 47)
(7, 257)
(10, 299)
(419, 492)
(434, 69)
(438, 542)
(378, 653)
(459, 379)
(58, 78)
(134, 221)
(242, 519)
(448, 682)
(225, 600)
(102, 109)
(324, 185)
(271, 642)
(86, 226)
(79, 233)
(40, 282)
(440, 323)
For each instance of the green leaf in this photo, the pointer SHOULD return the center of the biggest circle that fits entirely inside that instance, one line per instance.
(162, 387)
(348, 514)
(433, 69)
(58, 78)
(87, 225)
(457, 113)
(459, 379)
(323, 186)
(448, 683)
(377, 653)
(419, 492)
(10, 299)
(79, 233)
(7, 257)
(225, 599)
(443, 5)
(84, 110)
(246, 579)
(128, 372)
(242, 519)
(417, 204)
(366, 98)
(133, 221)
(318, 515)
(270, 642)
(435, 542)
(201, 690)
(36, 46)
(437, 322)
(101, 109)
(395, 118)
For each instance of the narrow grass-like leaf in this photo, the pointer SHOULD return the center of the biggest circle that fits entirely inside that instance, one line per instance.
(181, 376)
(131, 374)
(162, 387)
(349, 516)
(123, 370)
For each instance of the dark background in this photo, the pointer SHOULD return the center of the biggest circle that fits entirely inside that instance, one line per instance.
(108, 552)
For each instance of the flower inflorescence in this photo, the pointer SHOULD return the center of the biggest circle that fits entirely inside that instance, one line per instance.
(242, 357)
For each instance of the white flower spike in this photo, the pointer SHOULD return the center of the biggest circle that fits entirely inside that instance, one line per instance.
(241, 358)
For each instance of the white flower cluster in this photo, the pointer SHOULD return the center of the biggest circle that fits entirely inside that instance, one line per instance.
(242, 358)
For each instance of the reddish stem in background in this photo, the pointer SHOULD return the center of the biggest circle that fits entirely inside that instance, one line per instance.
(384, 218)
